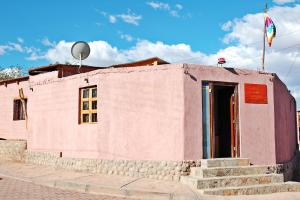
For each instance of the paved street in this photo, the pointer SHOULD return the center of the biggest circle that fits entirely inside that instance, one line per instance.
(11, 189)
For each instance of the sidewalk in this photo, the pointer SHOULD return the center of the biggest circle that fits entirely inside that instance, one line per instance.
(141, 188)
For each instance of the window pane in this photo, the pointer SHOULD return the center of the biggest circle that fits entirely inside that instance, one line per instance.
(19, 109)
(85, 118)
(16, 110)
(85, 93)
(19, 112)
(94, 105)
(94, 117)
(94, 92)
(85, 105)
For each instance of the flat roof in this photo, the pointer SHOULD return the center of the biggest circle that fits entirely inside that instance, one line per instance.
(54, 67)
(145, 62)
(14, 80)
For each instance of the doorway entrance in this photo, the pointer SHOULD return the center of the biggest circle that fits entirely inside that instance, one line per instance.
(220, 120)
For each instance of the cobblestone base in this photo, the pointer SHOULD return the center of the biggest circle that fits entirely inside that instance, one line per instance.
(162, 170)
(12, 149)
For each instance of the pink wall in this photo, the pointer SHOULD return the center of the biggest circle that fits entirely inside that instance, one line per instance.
(285, 122)
(10, 129)
(140, 114)
(256, 120)
(145, 113)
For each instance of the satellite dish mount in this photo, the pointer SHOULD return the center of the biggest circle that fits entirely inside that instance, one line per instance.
(80, 50)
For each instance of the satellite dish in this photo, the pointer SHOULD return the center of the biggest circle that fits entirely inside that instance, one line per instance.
(80, 50)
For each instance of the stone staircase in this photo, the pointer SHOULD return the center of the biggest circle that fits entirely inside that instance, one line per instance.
(235, 176)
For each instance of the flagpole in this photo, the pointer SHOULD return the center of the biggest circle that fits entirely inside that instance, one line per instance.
(264, 40)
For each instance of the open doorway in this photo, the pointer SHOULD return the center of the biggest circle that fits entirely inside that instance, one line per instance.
(220, 120)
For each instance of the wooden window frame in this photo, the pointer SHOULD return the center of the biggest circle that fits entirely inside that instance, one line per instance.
(90, 111)
(17, 113)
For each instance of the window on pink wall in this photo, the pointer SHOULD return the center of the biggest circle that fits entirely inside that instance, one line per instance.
(19, 109)
(88, 105)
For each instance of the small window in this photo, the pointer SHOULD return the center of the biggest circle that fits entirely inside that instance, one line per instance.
(88, 105)
(19, 109)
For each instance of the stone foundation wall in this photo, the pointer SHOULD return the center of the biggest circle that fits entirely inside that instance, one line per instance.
(290, 170)
(162, 170)
(12, 150)
(15, 150)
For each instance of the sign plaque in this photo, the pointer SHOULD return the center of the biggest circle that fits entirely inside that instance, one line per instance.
(256, 93)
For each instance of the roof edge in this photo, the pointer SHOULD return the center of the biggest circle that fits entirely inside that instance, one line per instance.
(13, 80)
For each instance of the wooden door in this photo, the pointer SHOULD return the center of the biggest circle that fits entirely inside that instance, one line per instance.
(212, 121)
(234, 122)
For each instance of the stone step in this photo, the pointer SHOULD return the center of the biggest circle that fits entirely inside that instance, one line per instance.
(231, 171)
(224, 162)
(231, 181)
(254, 189)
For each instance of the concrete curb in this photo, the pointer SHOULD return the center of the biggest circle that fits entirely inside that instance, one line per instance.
(105, 190)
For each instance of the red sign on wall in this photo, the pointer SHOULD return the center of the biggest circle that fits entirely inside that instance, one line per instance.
(256, 93)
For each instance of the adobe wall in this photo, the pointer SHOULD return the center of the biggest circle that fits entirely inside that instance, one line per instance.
(256, 120)
(285, 122)
(140, 114)
(145, 113)
(10, 129)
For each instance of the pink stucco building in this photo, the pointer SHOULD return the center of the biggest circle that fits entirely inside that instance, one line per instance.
(160, 111)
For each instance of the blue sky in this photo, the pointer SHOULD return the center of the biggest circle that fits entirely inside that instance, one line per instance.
(197, 23)
(35, 33)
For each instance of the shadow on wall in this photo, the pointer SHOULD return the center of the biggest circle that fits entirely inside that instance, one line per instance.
(232, 70)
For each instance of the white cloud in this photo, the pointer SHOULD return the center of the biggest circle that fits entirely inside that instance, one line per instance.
(173, 53)
(20, 40)
(112, 19)
(156, 5)
(99, 24)
(3, 49)
(159, 5)
(15, 47)
(130, 18)
(179, 6)
(127, 37)
(227, 26)
(281, 2)
(174, 13)
(33, 53)
(102, 54)
(47, 42)
(248, 29)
